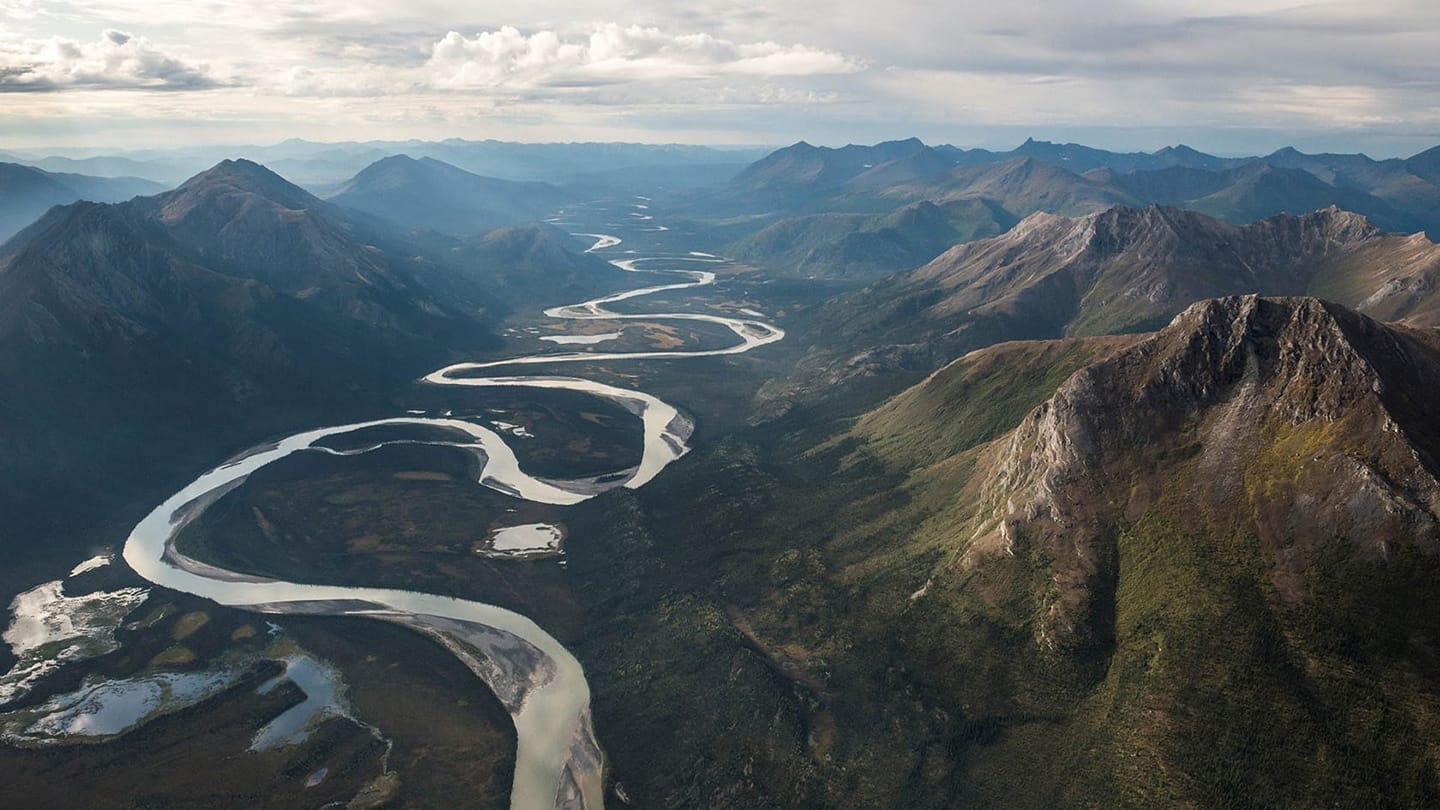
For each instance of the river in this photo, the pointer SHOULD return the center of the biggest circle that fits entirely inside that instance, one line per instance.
(559, 762)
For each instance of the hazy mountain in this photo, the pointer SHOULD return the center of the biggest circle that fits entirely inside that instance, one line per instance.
(428, 193)
(1190, 158)
(1080, 159)
(870, 245)
(235, 302)
(1426, 164)
(326, 165)
(1021, 185)
(803, 170)
(27, 192)
(103, 166)
(531, 267)
(1183, 573)
(1261, 190)
(1072, 179)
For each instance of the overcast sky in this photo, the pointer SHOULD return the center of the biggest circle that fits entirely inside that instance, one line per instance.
(1225, 75)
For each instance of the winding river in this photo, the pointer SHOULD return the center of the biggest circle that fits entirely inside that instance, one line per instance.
(558, 763)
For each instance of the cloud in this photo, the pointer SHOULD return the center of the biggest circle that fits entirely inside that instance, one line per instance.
(973, 71)
(507, 58)
(114, 60)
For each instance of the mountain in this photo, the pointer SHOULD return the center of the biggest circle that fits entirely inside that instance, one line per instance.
(102, 166)
(428, 193)
(865, 246)
(319, 165)
(1073, 179)
(1079, 158)
(1261, 190)
(1187, 568)
(1021, 185)
(803, 170)
(530, 267)
(1189, 158)
(27, 192)
(1122, 270)
(135, 334)
(1426, 164)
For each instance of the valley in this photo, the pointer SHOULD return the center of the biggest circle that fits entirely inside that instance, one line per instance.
(719, 406)
(940, 503)
(558, 762)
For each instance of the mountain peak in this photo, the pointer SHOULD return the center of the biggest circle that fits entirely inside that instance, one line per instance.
(400, 159)
(237, 169)
(1224, 377)
(234, 178)
(1178, 149)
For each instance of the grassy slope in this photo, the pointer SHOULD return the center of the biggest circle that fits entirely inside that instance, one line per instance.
(1211, 687)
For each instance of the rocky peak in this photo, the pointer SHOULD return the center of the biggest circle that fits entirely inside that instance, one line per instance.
(1225, 376)
(1118, 228)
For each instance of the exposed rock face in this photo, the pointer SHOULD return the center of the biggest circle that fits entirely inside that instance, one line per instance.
(1124, 270)
(1124, 267)
(1292, 419)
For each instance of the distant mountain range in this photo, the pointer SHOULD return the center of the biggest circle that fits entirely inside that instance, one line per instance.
(27, 192)
(409, 193)
(1399, 195)
(323, 166)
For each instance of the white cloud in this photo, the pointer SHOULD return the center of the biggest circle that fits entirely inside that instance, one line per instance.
(507, 58)
(115, 59)
(975, 71)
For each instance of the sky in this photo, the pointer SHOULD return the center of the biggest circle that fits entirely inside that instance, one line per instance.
(1229, 76)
